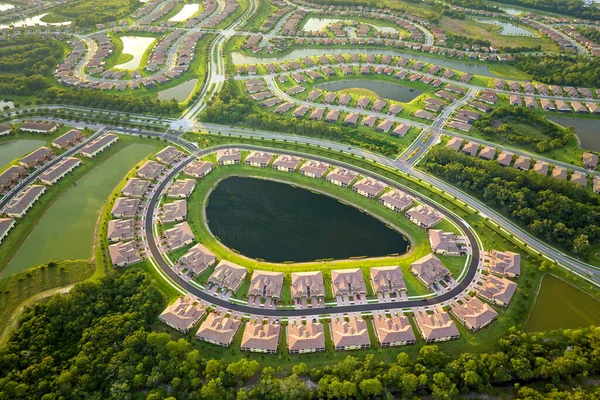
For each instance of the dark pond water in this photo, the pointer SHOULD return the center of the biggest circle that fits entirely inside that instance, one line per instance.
(384, 90)
(585, 129)
(278, 222)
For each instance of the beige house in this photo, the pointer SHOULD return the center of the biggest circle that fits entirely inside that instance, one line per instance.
(135, 187)
(523, 163)
(169, 155)
(261, 338)
(369, 187)
(470, 148)
(503, 263)
(259, 159)
(497, 290)
(306, 338)
(174, 212)
(98, 145)
(590, 160)
(429, 270)
(228, 276)
(559, 172)
(124, 253)
(228, 156)
(120, 229)
(179, 236)
(218, 330)
(488, 153)
(39, 127)
(350, 335)
(579, 178)
(348, 282)
(388, 280)
(307, 285)
(183, 314)
(197, 259)
(541, 168)
(59, 170)
(396, 200)
(198, 169)
(125, 207)
(181, 188)
(266, 284)
(314, 169)
(436, 327)
(393, 331)
(474, 314)
(287, 163)
(341, 177)
(447, 243)
(150, 170)
(505, 158)
(19, 205)
(6, 224)
(454, 143)
(425, 217)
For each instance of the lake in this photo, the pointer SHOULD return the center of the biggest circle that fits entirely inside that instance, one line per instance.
(135, 46)
(66, 230)
(9, 151)
(586, 130)
(319, 24)
(560, 305)
(186, 13)
(475, 69)
(508, 29)
(384, 90)
(33, 21)
(6, 6)
(180, 92)
(278, 222)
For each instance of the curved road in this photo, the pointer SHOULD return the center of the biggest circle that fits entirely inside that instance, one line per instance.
(158, 257)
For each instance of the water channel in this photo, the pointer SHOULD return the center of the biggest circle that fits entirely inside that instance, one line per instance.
(32, 21)
(385, 90)
(278, 222)
(135, 46)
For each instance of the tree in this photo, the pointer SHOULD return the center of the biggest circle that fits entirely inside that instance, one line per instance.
(371, 388)
(581, 245)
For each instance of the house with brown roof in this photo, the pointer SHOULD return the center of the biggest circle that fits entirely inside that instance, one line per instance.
(503, 263)
(174, 212)
(547, 105)
(541, 167)
(98, 145)
(197, 260)
(488, 153)
(6, 224)
(260, 338)
(369, 121)
(135, 187)
(425, 217)
(259, 159)
(396, 200)
(266, 284)
(181, 188)
(287, 163)
(228, 156)
(393, 331)
(198, 169)
(348, 282)
(36, 157)
(19, 205)
(307, 285)
(559, 172)
(369, 187)
(436, 327)
(590, 160)
(497, 290)
(227, 275)
(5, 129)
(219, 330)
(474, 314)
(388, 280)
(505, 158)
(169, 155)
(69, 139)
(341, 177)
(59, 170)
(447, 243)
(424, 114)
(350, 335)
(314, 169)
(183, 314)
(150, 170)
(596, 184)
(179, 236)
(305, 338)
(523, 163)
(125, 207)
(124, 253)
(454, 143)
(429, 270)
(579, 178)
(120, 230)
(400, 130)
(11, 175)
(39, 127)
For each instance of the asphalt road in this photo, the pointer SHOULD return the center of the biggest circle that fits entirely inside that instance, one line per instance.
(157, 255)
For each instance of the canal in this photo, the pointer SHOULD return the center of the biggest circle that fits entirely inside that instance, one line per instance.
(560, 305)
(278, 222)
(385, 90)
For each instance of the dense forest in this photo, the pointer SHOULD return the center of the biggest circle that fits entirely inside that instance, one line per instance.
(92, 12)
(96, 343)
(568, 70)
(493, 126)
(26, 66)
(559, 212)
(233, 107)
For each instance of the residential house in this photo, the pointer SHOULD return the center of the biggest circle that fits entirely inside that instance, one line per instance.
(350, 335)
(305, 338)
(219, 330)
(474, 314)
(425, 217)
(183, 314)
(260, 338)
(393, 331)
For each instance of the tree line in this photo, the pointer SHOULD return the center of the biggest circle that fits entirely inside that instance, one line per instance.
(556, 211)
(559, 69)
(96, 342)
(575, 8)
(497, 124)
